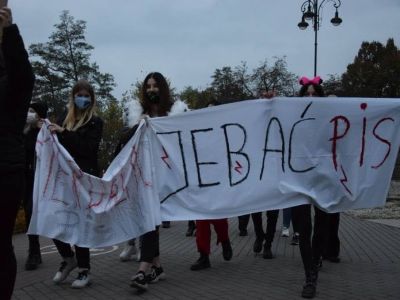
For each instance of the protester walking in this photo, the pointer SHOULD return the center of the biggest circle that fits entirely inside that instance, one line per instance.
(203, 242)
(16, 85)
(310, 250)
(155, 101)
(80, 133)
(268, 235)
(34, 121)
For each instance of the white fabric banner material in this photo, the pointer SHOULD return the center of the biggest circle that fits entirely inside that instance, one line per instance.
(224, 161)
(88, 211)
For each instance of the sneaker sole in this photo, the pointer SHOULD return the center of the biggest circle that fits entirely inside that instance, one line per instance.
(139, 286)
(66, 276)
(124, 259)
(159, 278)
(81, 287)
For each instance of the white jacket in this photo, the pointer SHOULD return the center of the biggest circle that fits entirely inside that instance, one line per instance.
(133, 111)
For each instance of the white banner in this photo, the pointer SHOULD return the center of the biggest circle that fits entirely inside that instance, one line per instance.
(88, 211)
(224, 161)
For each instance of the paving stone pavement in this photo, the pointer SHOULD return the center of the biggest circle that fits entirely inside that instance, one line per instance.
(370, 268)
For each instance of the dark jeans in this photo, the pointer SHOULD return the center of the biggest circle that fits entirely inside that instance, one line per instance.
(11, 193)
(150, 245)
(243, 222)
(310, 252)
(34, 246)
(332, 241)
(272, 219)
(82, 254)
(191, 224)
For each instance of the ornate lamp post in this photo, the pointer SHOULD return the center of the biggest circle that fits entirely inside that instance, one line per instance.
(311, 12)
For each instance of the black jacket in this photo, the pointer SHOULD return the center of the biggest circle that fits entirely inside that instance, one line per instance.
(126, 134)
(30, 145)
(83, 144)
(16, 85)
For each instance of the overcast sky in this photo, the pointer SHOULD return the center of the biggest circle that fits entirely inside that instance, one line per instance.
(187, 40)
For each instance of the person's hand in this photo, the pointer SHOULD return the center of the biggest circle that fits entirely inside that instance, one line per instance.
(143, 116)
(54, 128)
(5, 17)
(268, 94)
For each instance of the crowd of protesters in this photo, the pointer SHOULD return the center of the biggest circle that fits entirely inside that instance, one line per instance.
(79, 130)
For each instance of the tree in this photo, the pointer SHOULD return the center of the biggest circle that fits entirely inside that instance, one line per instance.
(374, 72)
(196, 98)
(238, 83)
(231, 85)
(113, 124)
(333, 86)
(62, 61)
(277, 78)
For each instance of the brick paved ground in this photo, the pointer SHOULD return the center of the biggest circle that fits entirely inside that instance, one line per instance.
(370, 269)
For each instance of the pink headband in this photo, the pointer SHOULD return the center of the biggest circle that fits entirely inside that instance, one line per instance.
(315, 81)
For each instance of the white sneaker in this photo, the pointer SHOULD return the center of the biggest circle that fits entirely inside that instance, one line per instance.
(66, 267)
(128, 253)
(285, 232)
(82, 280)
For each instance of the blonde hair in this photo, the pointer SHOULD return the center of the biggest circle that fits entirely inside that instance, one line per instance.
(77, 118)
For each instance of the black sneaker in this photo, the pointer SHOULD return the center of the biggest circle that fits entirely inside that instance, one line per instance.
(139, 281)
(166, 224)
(318, 264)
(155, 275)
(257, 246)
(227, 252)
(33, 261)
(267, 254)
(190, 231)
(243, 232)
(295, 239)
(333, 259)
(202, 263)
(309, 289)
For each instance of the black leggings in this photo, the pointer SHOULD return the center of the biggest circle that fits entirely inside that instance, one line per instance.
(82, 254)
(272, 219)
(34, 246)
(150, 245)
(11, 193)
(310, 252)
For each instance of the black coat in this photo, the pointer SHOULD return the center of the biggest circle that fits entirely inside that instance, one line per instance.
(83, 144)
(16, 85)
(126, 134)
(30, 156)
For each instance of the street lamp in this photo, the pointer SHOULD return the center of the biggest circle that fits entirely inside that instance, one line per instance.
(311, 11)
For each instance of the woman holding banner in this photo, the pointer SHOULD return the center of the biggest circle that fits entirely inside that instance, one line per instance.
(155, 101)
(80, 133)
(311, 250)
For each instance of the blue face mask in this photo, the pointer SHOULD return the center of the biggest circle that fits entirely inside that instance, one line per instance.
(82, 102)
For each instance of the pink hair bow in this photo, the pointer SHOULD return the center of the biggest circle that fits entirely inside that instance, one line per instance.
(306, 81)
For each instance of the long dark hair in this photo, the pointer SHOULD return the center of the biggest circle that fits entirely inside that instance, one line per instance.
(165, 103)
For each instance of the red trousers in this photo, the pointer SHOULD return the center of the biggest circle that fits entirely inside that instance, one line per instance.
(203, 233)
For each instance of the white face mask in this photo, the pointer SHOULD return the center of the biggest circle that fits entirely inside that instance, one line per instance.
(31, 118)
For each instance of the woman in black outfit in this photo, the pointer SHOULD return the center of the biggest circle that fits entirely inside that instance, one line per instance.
(80, 133)
(155, 101)
(311, 250)
(16, 85)
(37, 111)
